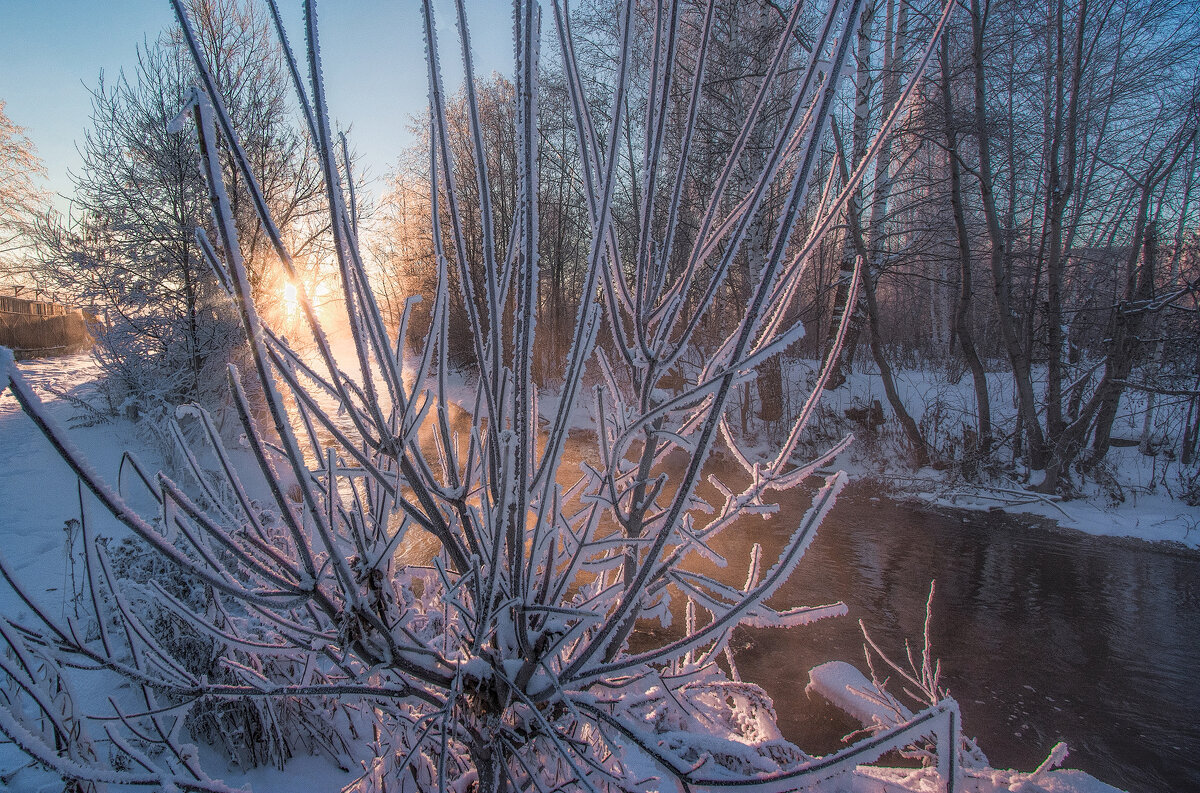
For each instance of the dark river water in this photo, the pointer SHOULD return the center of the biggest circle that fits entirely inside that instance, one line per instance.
(1044, 635)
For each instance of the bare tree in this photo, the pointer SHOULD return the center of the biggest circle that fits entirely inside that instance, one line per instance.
(865, 239)
(20, 198)
(1056, 225)
(962, 314)
(129, 250)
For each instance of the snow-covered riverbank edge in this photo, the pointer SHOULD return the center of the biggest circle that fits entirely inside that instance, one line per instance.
(1133, 495)
(1148, 516)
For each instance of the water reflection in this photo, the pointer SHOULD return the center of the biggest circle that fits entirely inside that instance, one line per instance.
(1043, 636)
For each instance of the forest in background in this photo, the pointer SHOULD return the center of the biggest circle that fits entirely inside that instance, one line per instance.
(1032, 212)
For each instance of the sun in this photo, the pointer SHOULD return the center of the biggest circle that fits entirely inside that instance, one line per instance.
(291, 301)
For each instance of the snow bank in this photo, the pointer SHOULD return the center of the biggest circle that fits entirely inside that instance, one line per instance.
(1139, 498)
(6, 361)
(845, 686)
(876, 779)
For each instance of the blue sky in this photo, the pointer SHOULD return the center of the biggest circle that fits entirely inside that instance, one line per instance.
(52, 52)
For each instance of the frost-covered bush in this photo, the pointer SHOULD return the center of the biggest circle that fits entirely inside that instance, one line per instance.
(1187, 484)
(501, 656)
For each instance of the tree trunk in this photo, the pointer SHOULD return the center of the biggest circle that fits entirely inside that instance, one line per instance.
(1160, 346)
(962, 324)
(1019, 358)
(911, 431)
(1059, 187)
(854, 206)
(837, 375)
(857, 238)
(1125, 343)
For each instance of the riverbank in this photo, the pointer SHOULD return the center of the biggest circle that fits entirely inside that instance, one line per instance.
(1131, 494)
(1134, 496)
(1161, 540)
(1146, 514)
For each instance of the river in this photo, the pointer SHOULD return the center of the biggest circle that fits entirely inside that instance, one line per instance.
(1043, 634)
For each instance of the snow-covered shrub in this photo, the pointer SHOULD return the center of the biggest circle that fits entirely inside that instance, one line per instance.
(501, 657)
(919, 683)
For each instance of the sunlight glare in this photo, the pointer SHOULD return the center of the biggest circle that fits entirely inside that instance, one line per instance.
(291, 303)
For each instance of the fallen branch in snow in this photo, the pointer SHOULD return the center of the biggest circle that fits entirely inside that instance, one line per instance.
(1027, 496)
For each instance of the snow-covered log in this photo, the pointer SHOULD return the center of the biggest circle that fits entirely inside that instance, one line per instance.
(843, 685)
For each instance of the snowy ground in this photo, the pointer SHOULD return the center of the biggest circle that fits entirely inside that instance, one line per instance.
(1139, 500)
(38, 492)
(38, 497)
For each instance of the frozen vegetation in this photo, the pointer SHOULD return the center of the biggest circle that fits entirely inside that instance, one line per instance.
(389, 561)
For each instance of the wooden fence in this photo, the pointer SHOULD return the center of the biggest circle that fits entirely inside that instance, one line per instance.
(38, 329)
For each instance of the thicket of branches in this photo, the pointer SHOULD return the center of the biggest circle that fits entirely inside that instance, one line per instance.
(1034, 213)
(284, 604)
(20, 197)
